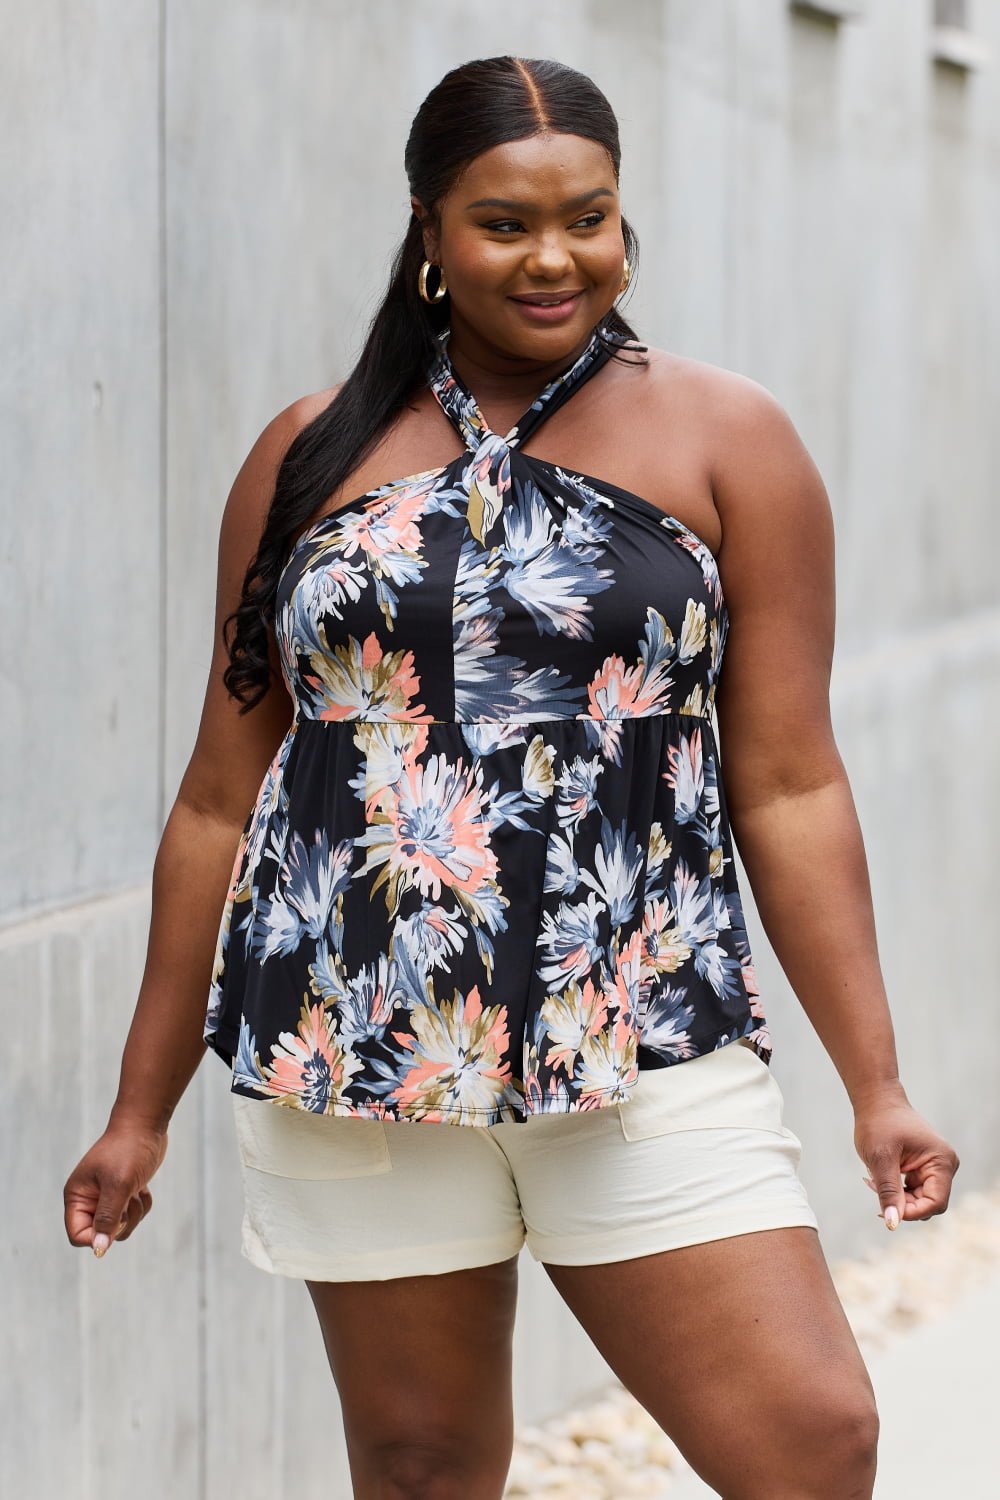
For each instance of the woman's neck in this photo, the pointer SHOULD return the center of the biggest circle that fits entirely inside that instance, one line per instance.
(499, 379)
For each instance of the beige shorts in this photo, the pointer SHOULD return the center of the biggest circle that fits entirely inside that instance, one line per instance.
(699, 1151)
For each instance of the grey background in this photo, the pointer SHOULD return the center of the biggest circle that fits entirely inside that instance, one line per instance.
(199, 207)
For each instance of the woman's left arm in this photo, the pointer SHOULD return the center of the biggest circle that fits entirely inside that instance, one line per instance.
(787, 792)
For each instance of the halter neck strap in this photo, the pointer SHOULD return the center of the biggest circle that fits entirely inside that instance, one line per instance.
(463, 411)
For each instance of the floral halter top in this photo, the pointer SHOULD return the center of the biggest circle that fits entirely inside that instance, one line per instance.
(489, 872)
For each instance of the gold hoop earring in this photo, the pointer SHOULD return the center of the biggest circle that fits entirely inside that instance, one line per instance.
(626, 277)
(422, 283)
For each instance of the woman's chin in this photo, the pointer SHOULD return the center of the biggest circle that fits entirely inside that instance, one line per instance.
(539, 339)
(550, 338)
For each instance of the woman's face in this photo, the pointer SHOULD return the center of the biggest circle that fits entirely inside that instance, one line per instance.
(530, 241)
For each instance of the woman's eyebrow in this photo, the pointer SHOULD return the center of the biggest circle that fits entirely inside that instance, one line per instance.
(514, 207)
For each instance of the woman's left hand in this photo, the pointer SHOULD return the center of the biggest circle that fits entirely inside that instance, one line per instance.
(895, 1142)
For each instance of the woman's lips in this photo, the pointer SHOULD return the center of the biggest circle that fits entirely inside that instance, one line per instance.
(548, 311)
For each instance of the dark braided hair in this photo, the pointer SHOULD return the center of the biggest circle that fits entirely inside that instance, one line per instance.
(479, 105)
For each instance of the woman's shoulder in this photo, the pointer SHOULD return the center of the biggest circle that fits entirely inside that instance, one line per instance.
(759, 467)
(252, 490)
(669, 376)
(729, 415)
(277, 435)
(298, 414)
(715, 430)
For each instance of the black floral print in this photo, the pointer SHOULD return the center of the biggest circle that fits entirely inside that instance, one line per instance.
(489, 872)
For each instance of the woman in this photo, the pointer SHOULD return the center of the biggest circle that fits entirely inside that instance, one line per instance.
(487, 878)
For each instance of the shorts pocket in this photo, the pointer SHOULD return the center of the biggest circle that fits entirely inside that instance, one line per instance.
(291, 1142)
(730, 1087)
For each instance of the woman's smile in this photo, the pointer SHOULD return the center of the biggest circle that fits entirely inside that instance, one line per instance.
(547, 307)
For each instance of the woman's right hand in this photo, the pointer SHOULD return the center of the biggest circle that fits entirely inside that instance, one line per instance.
(107, 1195)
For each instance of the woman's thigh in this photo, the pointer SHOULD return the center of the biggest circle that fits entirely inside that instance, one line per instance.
(422, 1365)
(741, 1350)
(406, 1236)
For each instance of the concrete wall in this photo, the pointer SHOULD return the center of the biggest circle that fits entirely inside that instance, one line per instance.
(200, 203)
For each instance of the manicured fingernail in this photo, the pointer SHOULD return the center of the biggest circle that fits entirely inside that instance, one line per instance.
(101, 1243)
(892, 1216)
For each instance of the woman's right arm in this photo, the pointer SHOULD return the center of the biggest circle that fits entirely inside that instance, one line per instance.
(107, 1192)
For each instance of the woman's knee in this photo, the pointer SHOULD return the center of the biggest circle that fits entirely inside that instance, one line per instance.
(834, 1452)
(432, 1415)
(459, 1467)
(853, 1444)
